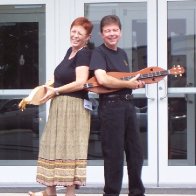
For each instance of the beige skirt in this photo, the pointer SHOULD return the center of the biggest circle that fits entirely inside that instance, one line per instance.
(64, 143)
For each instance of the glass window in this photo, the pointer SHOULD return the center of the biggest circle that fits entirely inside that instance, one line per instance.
(181, 111)
(19, 130)
(22, 66)
(133, 17)
(19, 55)
(21, 33)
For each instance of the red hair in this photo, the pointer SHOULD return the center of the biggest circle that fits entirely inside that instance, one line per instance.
(84, 22)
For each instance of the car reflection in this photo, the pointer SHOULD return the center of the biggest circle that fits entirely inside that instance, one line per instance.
(177, 128)
(12, 118)
(95, 151)
(19, 130)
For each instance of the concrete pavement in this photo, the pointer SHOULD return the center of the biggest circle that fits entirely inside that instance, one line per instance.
(25, 194)
(97, 191)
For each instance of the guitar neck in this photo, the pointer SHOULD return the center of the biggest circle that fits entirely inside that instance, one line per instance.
(148, 75)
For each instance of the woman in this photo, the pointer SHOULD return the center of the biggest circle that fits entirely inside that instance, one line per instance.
(63, 147)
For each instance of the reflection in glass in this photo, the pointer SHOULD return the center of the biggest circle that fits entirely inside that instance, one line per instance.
(139, 44)
(95, 152)
(181, 113)
(177, 132)
(19, 130)
(133, 17)
(22, 66)
(18, 55)
(177, 49)
(142, 116)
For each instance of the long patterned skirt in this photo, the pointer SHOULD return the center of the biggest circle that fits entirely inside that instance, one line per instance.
(64, 143)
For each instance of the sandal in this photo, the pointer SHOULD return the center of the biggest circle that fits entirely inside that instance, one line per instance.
(42, 193)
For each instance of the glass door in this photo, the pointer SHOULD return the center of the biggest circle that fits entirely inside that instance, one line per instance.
(176, 45)
(158, 33)
(155, 33)
(22, 67)
(139, 44)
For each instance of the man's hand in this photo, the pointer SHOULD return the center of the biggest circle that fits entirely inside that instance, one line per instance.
(135, 83)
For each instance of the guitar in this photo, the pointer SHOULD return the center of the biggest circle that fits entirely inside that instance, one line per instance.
(149, 75)
(35, 96)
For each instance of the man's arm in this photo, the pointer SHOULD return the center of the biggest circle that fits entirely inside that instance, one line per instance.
(111, 82)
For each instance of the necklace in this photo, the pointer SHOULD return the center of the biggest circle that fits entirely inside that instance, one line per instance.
(77, 50)
(73, 53)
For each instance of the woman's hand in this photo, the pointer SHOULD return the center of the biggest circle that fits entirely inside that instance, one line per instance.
(50, 93)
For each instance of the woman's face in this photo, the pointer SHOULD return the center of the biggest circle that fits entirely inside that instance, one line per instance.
(78, 37)
(111, 35)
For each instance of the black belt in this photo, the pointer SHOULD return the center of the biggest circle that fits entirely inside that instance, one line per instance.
(116, 97)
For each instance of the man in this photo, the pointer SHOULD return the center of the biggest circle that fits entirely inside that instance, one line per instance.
(117, 113)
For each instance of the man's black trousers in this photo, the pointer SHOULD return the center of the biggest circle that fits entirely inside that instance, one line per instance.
(120, 135)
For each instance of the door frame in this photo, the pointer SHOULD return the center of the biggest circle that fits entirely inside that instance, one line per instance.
(169, 175)
(151, 168)
(156, 172)
(12, 174)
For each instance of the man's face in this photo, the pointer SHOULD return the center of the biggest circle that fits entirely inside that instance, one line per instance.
(111, 35)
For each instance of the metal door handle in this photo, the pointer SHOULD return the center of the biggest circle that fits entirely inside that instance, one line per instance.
(146, 92)
(160, 88)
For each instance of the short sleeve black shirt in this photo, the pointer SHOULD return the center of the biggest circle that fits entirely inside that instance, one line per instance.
(65, 71)
(109, 60)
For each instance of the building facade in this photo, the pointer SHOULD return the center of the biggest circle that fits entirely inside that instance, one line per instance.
(34, 36)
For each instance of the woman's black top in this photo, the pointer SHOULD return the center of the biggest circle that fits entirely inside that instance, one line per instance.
(65, 71)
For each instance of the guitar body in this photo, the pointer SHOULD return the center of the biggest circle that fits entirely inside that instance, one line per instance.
(149, 75)
(36, 95)
(33, 98)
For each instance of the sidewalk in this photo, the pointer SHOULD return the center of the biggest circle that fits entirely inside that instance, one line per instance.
(25, 194)
(97, 191)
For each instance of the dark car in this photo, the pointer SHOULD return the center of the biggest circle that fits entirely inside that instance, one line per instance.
(13, 118)
(19, 130)
(95, 151)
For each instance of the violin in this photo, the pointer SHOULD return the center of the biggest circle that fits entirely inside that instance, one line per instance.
(149, 75)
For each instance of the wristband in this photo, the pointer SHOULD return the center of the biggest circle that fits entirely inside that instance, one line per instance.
(56, 92)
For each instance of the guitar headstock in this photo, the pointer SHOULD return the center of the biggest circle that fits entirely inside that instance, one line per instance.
(177, 70)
